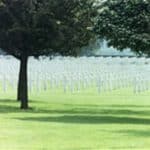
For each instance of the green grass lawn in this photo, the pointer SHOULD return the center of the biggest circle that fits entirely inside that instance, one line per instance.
(79, 121)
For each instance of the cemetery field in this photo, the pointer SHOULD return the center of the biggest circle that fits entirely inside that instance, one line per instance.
(83, 120)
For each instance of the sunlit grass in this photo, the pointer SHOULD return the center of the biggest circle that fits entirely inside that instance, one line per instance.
(82, 120)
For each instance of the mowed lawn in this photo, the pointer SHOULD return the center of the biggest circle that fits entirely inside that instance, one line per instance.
(78, 121)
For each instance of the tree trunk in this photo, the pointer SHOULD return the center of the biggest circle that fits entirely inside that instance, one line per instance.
(19, 86)
(22, 94)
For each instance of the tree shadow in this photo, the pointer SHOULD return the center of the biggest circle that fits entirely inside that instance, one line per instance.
(88, 114)
(8, 105)
(12, 109)
(135, 132)
(15, 101)
(90, 111)
(7, 101)
(11, 106)
(112, 105)
(83, 119)
(75, 111)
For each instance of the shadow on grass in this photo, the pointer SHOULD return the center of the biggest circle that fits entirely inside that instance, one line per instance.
(11, 106)
(75, 111)
(88, 114)
(136, 133)
(82, 119)
(8, 106)
(91, 111)
(113, 105)
(7, 101)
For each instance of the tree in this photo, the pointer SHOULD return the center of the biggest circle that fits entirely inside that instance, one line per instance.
(125, 24)
(44, 27)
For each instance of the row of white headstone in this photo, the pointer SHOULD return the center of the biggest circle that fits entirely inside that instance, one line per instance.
(76, 74)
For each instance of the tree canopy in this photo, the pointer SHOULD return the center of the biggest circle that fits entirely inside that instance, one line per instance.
(125, 24)
(41, 27)
(44, 27)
